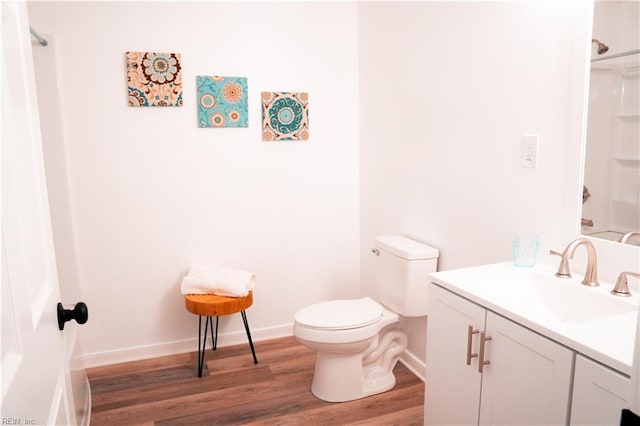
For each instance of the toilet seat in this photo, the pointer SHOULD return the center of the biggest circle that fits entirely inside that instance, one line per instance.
(340, 314)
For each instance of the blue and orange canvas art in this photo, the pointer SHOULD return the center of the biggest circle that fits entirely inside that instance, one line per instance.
(222, 101)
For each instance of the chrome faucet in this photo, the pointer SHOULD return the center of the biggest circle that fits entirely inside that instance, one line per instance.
(622, 286)
(626, 237)
(591, 274)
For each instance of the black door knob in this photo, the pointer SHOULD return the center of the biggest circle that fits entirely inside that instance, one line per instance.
(80, 313)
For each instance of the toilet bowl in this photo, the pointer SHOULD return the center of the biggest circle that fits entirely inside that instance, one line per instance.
(355, 359)
(359, 341)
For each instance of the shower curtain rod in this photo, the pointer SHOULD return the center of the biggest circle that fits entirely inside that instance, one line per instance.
(38, 37)
(617, 55)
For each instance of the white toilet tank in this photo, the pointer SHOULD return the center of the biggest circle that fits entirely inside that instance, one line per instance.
(402, 273)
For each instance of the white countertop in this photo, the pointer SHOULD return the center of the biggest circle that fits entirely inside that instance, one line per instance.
(589, 320)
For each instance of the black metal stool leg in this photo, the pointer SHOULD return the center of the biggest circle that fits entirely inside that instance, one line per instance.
(215, 342)
(246, 327)
(202, 343)
(213, 339)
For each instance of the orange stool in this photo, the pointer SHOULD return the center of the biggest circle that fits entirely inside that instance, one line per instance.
(210, 305)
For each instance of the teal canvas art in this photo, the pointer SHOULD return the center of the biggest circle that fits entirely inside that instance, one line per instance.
(285, 116)
(222, 101)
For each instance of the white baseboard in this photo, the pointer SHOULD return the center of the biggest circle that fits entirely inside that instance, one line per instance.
(414, 364)
(96, 359)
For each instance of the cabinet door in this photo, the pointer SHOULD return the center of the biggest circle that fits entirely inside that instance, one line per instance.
(599, 394)
(452, 392)
(528, 379)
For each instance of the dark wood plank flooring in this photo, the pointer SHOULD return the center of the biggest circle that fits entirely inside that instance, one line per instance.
(233, 390)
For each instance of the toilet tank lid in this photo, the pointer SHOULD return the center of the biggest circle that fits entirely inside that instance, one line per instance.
(406, 248)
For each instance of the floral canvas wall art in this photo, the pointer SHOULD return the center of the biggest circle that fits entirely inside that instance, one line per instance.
(222, 101)
(154, 79)
(285, 116)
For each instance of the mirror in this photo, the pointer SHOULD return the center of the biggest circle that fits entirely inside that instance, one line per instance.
(611, 197)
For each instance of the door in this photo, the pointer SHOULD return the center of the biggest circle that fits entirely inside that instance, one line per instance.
(36, 383)
(53, 147)
(599, 394)
(528, 378)
(452, 380)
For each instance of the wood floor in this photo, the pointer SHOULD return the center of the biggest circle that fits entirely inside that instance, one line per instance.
(233, 390)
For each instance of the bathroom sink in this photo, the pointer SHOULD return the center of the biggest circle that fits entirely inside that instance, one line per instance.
(538, 295)
(590, 320)
(571, 302)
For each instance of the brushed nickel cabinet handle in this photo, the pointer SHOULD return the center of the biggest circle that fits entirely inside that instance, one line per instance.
(481, 361)
(470, 333)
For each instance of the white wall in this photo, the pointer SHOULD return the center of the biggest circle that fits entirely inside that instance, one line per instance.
(615, 23)
(447, 89)
(151, 193)
(416, 114)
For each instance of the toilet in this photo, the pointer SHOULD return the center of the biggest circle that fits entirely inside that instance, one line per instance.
(359, 341)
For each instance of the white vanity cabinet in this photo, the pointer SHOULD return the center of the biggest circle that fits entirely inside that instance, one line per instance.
(599, 394)
(526, 378)
(452, 388)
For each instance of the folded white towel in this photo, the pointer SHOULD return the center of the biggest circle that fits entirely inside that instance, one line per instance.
(216, 280)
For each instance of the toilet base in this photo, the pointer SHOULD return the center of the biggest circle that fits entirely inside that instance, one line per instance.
(341, 377)
(378, 382)
(332, 369)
